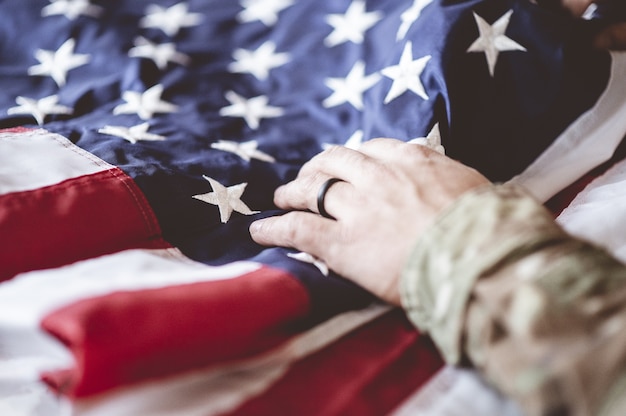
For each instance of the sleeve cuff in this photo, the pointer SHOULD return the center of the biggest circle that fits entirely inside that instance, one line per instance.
(482, 229)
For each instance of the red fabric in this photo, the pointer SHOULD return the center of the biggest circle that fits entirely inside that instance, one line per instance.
(367, 372)
(131, 336)
(16, 130)
(77, 219)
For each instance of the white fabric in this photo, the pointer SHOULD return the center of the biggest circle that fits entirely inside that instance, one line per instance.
(26, 350)
(598, 213)
(30, 296)
(39, 158)
(457, 392)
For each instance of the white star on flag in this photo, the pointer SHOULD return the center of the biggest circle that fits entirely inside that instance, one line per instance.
(351, 88)
(410, 16)
(58, 64)
(132, 134)
(246, 150)
(492, 39)
(170, 20)
(227, 199)
(258, 62)
(251, 109)
(161, 54)
(39, 109)
(351, 26)
(266, 11)
(406, 75)
(72, 9)
(145, 104)
(310, 259)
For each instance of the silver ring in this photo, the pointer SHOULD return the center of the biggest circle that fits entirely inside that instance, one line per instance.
(321, 196)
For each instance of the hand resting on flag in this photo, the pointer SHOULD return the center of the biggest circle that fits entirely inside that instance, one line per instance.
(483, 269)
(390, 192)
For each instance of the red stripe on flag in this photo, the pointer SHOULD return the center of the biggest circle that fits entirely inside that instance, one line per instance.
(17, 130)
(126, 337)
(368, 372)
(76, 219)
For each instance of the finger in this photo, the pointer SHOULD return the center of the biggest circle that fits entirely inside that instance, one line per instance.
(301, 193)
(341, 162)
(297, 229)
(338, 199)
(376, 159)
(393, 150)
(337, 162)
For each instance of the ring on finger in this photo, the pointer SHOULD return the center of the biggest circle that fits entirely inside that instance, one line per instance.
(321, 197)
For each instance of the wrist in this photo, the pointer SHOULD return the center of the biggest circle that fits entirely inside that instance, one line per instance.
(480, 230)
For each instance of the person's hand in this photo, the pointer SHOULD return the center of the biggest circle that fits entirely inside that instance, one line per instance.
(391, 191)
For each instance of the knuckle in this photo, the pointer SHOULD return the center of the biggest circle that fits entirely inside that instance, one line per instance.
(320, 159)
(420, 156)
(380, 142)
(331, 151)
(420, 150)
(291, 226)
(336, 154)
(310, 187)
(377, 141)
(302, 232)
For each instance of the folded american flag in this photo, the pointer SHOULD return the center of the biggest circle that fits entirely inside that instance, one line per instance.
(142, 138)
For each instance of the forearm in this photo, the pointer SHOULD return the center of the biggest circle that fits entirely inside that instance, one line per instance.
(496, 282)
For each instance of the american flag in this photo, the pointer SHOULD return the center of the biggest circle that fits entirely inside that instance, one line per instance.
(141, 139)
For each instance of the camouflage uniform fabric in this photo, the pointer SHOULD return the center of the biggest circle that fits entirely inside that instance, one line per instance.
(500, 286)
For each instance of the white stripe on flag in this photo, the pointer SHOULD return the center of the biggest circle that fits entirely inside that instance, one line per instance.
(586, 143)
(598, 213)
(28, 297)
(457, 392)
(37, 158)
(224, 388)
(31, 399)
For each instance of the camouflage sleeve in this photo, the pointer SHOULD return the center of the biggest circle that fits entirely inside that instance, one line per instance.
(499, 285)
